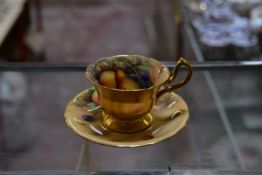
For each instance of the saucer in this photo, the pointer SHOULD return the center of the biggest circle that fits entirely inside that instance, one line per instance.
(170, 115)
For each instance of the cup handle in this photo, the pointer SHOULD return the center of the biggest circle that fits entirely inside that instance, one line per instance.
(168, 88)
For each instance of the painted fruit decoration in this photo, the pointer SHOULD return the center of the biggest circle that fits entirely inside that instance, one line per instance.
(88, 98)
(127, 74)
(95, 98)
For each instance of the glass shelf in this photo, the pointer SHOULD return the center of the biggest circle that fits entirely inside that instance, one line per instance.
(224, 130)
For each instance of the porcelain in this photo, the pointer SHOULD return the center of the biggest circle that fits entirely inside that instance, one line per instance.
(128, 111)
(170, 114)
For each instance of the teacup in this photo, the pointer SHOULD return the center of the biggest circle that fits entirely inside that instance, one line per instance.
(128, 111)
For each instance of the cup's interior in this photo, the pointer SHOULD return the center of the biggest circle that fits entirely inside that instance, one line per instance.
(146, 72)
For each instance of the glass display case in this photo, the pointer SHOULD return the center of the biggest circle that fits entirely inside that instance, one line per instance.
(224, 96)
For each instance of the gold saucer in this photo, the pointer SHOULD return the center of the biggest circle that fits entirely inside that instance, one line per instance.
(170, 114)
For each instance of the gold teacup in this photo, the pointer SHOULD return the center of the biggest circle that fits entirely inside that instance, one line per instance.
(128, 111)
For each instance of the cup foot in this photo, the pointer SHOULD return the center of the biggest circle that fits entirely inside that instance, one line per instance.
(126, 126)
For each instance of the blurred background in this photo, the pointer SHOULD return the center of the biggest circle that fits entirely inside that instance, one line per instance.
(84, 30)
(33, 134)
(81, 30)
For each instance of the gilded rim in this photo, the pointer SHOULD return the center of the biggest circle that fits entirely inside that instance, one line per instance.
(104, 87)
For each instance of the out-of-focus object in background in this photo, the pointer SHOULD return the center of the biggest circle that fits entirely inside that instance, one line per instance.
(13, 21)
(224, 35)
(21, 36)
(35, 38)
(244, 46)
(219, 14)
(9, 13)
(215, 44)
(256, 23)
(243, 7)
(13, 93)
(198, 6)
